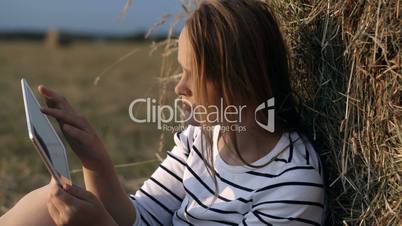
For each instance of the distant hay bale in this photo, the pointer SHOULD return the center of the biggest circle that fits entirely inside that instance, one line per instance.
(52, 39)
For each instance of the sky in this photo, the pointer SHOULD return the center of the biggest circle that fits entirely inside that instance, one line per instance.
(90, 16)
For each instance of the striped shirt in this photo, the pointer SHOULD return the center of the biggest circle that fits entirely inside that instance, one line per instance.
(288, 191)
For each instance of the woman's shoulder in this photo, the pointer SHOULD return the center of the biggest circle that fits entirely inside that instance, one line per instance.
(186, 133)
(302, 153)
(295, 176)
(297, 163)
(184, 137)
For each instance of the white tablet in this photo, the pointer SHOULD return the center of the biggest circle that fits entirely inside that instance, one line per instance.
(45, 138)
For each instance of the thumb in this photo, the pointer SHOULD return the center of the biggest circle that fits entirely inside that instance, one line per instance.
(78, 192)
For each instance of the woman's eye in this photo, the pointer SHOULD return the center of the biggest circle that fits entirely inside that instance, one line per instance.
(184, 73)
(187, 73)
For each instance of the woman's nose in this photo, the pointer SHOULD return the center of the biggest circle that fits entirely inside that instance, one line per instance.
(182, 88)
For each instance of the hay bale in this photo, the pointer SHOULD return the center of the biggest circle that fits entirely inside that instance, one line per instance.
(52, 39)
(347, 66)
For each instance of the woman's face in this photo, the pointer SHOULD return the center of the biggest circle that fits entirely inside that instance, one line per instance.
(185, 87)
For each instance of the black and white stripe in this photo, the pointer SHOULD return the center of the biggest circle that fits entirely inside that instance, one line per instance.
(270, 196)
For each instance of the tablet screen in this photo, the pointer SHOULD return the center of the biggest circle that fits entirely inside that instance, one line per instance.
(40, 127)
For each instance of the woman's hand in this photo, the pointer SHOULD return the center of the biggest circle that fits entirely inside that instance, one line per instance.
(75, 206)
(99, 174)
(77, 130)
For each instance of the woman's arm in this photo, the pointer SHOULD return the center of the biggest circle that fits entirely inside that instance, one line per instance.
(160, 196)
(102, 181)
(99, 173)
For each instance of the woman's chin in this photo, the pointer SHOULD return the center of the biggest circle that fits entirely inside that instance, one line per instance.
(190, 119)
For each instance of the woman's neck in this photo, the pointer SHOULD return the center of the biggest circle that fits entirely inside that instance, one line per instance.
(253, 144)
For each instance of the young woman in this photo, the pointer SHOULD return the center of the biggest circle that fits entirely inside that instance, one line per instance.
(231, 51)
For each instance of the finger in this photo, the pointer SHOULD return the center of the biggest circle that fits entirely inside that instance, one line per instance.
(60, 198)
(66, 117)
(53, 181)
(54, 206)
(62, 212)
(54, 99)
(53, 212)
(48, 92)
(78, 192)
(75, 133)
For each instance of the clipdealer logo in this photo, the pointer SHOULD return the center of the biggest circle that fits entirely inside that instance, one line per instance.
(165, 115)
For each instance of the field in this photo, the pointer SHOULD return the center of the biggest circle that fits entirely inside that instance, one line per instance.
(71, 70)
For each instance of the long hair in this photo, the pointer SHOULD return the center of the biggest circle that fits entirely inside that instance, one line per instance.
(238, 49)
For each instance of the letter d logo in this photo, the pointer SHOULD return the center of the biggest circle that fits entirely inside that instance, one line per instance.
(268, 106)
